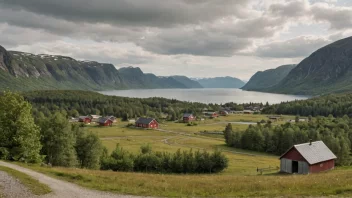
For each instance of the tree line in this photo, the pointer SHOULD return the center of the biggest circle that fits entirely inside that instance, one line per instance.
(165, 162)
(337, 105)
(336, 133)
(75, 103)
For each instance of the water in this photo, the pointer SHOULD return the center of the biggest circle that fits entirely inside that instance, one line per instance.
(207, 95)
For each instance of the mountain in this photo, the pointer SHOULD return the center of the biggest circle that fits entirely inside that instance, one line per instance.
(221, 82)
(187, 82)
(267, 78)
(24, 71)
(328, 70)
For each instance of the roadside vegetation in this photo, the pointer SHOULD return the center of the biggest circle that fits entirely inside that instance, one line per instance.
(33, 185)
(336, 182)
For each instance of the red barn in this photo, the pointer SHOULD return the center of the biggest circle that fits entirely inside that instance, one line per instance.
(85, 119)
(307, 158)
(187, 117)
(106, 121)
(147, 123)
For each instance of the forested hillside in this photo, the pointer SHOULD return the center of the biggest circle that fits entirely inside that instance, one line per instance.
(84, 102)
(221, 82)
(267, 78)
(337, 105)
(24, 71)
(328, 70)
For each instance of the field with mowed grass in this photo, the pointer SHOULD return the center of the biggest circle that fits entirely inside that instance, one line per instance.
(172, 136)
(240, 179)
(337, 182)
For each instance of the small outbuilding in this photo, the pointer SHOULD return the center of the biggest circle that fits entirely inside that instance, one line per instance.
(85, 119)
(147, 123)
(312, 157)
(188, 117)
(106, 121)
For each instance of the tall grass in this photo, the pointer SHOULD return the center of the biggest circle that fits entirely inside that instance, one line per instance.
(337, 182)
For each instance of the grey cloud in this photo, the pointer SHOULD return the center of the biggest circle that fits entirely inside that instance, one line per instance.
(195, 42)
(293, 48)
(339, 17)
(11, 36)
(293, 8)
(153, 13)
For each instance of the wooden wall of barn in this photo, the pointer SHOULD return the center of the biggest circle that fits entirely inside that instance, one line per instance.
(286, 166)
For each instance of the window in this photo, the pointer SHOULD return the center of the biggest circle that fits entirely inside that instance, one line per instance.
(322, 164)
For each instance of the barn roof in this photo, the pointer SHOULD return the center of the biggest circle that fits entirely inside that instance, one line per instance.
(144, 120)
(103, 120)
(314, 153)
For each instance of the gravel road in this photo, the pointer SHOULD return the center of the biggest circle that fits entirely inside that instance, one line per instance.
(61, 189)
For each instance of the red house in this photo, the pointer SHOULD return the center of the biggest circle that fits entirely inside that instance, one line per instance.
(187, 117)
(85, 119)
(148, 123)
(211, 114)
(106, 121)
(307, 158)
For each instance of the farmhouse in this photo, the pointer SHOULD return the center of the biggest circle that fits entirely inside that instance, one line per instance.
(224, 113)
(94, 118)
(106, 121)
(85, 119)
(211, 114)
(147, 123)
(187, 117)
(307, 158)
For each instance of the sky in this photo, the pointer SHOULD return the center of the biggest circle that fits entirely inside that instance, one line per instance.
(196, 38)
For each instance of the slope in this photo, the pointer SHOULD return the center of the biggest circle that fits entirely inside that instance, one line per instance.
(328, 70)
(221, 82)
(267, 78)
(24, 71)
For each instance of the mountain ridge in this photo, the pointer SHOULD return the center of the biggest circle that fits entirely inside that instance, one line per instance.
(25, 71)
(327, 70)
(221, 82)
(267, 78)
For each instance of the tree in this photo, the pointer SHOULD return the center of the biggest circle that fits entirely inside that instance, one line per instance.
(58, 141)
(19, 135)
(228, 134)
(89, 150)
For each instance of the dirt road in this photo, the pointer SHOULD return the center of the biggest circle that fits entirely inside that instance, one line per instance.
(61, 189)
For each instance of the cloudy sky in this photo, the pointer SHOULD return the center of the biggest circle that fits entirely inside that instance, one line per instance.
(197, 38)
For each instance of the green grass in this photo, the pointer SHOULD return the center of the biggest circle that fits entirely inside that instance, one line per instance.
(337, 182)
(33, 185)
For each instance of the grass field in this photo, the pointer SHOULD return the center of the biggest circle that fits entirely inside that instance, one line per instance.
(33, 185)
(338, 182)
(173, 136)
(240, 179)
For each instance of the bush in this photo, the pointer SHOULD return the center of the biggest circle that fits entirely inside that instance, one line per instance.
(179, 162)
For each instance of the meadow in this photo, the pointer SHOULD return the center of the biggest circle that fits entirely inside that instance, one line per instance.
(172, 136)
(240, 179)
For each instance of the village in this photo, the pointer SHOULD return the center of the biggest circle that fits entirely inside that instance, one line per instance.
(206, 132)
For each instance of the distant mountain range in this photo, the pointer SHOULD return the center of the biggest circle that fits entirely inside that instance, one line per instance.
(268, 78)
(328, 70)
(24, 71)
(221, 82)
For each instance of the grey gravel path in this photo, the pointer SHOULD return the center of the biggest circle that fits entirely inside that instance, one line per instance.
(12, 188)
(61, 189)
